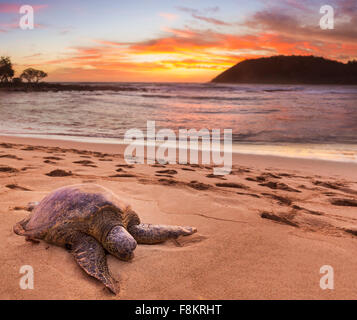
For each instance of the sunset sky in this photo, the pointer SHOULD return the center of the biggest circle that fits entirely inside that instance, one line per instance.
(161, 40)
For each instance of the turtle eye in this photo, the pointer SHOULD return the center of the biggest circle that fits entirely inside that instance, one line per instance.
(68, 246)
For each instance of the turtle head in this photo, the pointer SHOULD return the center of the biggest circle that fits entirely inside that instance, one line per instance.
(120, 243)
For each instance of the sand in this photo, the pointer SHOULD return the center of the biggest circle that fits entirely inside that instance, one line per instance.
(264, 231)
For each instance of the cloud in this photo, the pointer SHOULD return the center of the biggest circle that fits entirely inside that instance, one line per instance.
(211, 20)
(187, 10)
(184, 33)
(300, 24)
(35, 55)
(9, 26)
(183, 49)
(196, 52)
(168, 16)
(14, 8)
(202, 15)
(196, 11)
(15, 25)
(288, 27)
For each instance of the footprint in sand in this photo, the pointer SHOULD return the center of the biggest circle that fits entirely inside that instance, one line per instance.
(199, 185)
(164, 175)
(86, 163)
(195, 166)
(351, 231)
(170, 172)
(28, 148)
(240, 171)
(336, 186)
(10, 156)
(128, 166)
(330, 194)
(189, 241)
(280, 199)
(231, 185)
(50, 162)
(6, 145)
(59, 173)
(168, 182)
(27, 168)
(158, 166)
(270, 175)
(284, 218)
(123, 175)
(248, 194)
(17, 187)
(212, 176)
(8, 169)
(287, 175)
(256, 179)
(279, 186)
(330, 185)
(18, 208)
(316, 213)
(344, 202)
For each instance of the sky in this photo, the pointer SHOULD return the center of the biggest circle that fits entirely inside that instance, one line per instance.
(169, 40)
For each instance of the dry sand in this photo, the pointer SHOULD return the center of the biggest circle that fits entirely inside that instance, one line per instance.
(264, 231)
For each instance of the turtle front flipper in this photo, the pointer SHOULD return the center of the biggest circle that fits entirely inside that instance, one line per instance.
(90, 256)
(151, 234)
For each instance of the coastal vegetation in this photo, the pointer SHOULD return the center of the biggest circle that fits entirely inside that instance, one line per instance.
(7, 73)
(290, 70)
(31, 80)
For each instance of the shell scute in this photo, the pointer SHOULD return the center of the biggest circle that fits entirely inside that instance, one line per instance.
(73, 205)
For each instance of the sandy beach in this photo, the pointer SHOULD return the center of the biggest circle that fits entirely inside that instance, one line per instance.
(264, 231)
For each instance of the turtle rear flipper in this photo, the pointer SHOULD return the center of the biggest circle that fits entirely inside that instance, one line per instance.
(90, 256)
(31, 235)
(32, 205)
(19, 228)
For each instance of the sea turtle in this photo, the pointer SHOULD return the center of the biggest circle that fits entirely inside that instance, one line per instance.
(90, 220)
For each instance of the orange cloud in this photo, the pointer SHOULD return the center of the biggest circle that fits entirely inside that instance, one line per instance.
(14, 8)
(168, 16)
(188, 54)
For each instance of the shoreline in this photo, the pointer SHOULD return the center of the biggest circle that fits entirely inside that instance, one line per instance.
(261, 161)
(336, 152)
(58, 87)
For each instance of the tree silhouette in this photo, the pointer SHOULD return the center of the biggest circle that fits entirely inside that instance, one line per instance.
(16, 81)
(6, 70)
(33, 75)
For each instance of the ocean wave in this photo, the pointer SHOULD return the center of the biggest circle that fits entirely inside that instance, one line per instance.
(238, 111)
(255, 113)
(185, 97)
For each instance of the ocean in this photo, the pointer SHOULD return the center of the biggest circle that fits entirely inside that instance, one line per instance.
(306, 121)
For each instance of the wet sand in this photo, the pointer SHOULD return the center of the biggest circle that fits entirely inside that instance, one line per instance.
(264, 231)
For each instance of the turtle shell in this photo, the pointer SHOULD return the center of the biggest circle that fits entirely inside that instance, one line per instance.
(79, 207)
